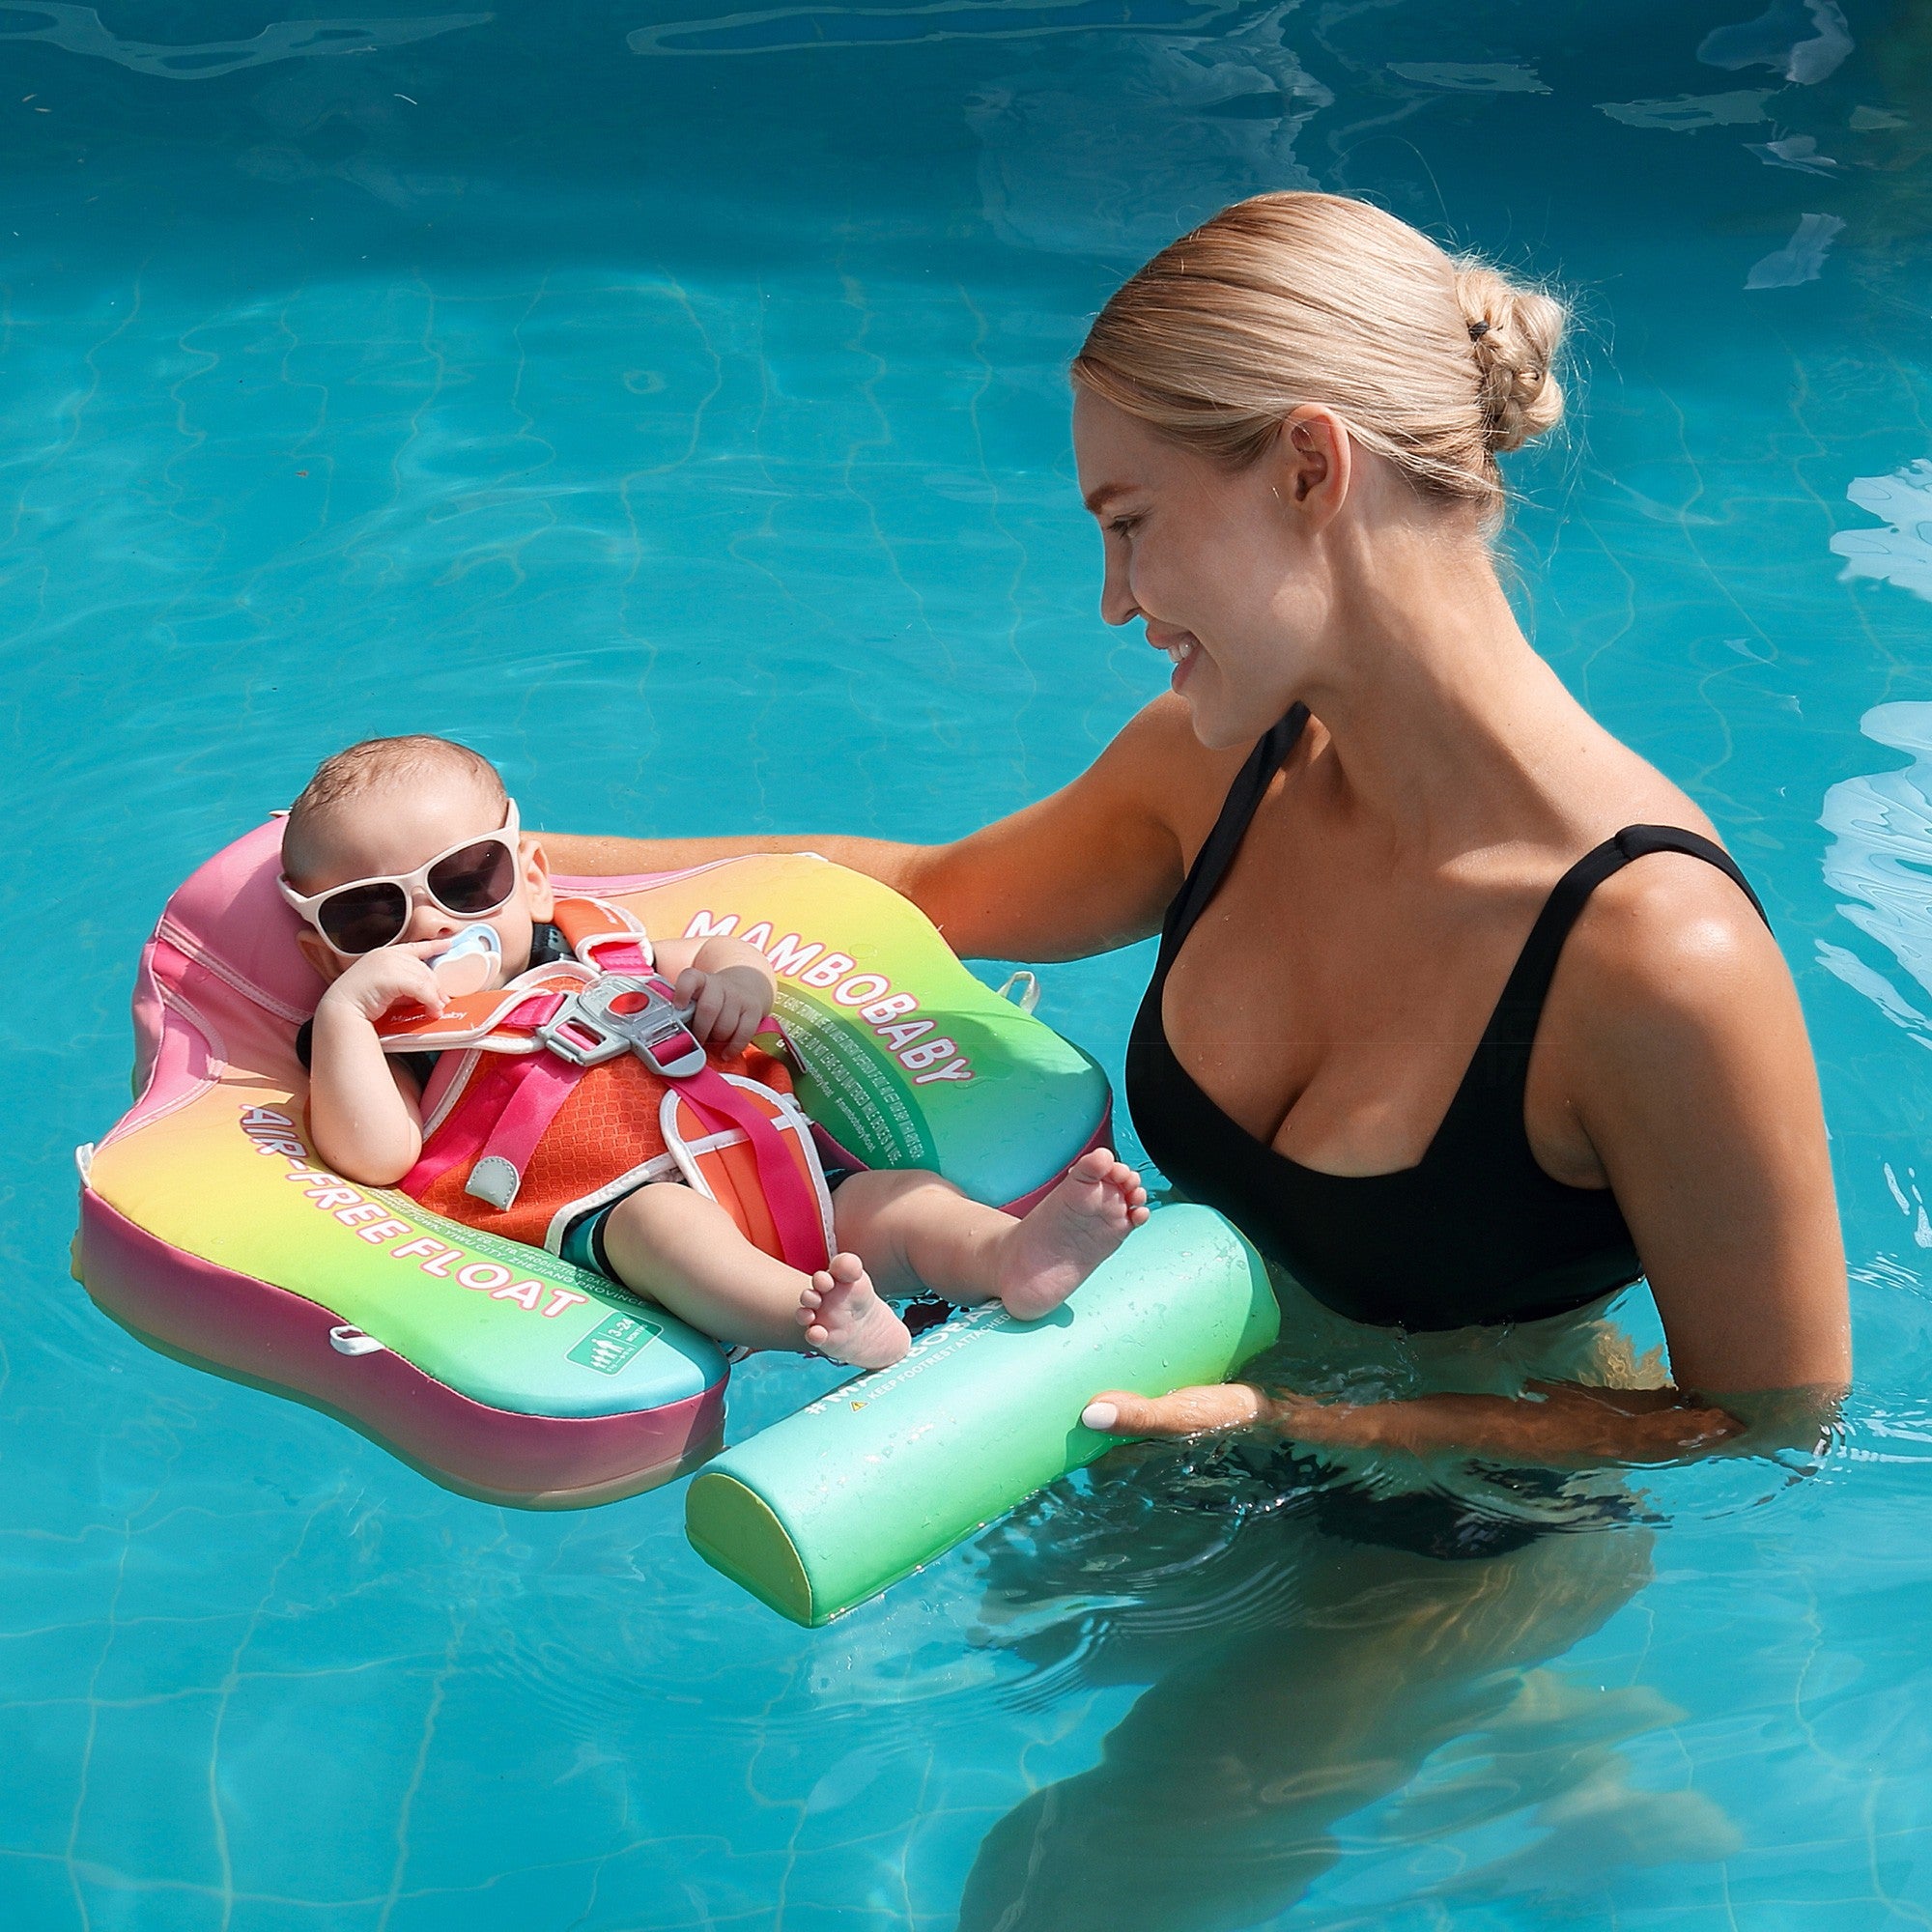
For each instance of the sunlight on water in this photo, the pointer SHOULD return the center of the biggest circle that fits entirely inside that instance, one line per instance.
(1883, 857)
(672, 402)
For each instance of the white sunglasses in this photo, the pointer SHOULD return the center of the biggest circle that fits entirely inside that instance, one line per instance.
(471, 878)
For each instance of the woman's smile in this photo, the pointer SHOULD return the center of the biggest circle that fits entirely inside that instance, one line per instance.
(1183, 649)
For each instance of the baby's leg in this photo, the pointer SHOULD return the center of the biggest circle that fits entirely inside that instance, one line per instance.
(686, 1252)
(914, 1229)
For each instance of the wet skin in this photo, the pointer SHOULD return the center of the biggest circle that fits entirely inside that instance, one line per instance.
(1330, 996)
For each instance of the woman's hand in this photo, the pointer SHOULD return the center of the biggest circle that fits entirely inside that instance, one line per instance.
(1208, 1409)
(1559, 1423)
(1187, 1411)
(728, 1003)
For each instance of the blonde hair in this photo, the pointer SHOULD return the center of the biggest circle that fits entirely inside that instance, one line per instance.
(370, 766)
(1438, 363)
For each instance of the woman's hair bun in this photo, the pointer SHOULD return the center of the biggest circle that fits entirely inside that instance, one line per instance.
(1437, 363)
(1514, 334)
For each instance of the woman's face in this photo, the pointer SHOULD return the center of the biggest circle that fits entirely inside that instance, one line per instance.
(1221, 565)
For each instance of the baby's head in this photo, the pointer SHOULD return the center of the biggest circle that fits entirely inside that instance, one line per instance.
(386, 809)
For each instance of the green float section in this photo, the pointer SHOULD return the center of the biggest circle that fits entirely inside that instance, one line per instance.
(904, 1057)
(828, 1507)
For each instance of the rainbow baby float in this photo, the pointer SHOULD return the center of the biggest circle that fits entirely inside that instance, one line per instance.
(207, 1227)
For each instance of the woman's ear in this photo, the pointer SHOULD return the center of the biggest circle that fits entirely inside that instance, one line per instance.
(1314, 457)
(318, 953)
(537, 888)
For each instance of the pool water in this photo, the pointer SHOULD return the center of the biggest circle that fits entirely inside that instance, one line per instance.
(671, 402)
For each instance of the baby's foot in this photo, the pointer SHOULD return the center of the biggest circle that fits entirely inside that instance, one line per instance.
(844, 1319)
(1050, 1253)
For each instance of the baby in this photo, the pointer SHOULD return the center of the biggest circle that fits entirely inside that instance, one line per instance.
(397, 847)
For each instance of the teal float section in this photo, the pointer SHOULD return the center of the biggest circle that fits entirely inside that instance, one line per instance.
(889, 1470)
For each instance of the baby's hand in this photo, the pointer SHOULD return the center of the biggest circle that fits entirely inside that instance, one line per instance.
(728, 1005)
(390, 976)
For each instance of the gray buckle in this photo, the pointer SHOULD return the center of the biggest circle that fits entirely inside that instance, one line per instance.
(586, 1032)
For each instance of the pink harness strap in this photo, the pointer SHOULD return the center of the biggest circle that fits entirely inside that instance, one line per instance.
(466, 1132)
(504, 1138)
(620, 956)
(476, 1121)
(542, 1086)
(788, 1195)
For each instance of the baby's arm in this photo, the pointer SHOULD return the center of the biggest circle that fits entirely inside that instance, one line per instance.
(362, 1106)
(727, 984)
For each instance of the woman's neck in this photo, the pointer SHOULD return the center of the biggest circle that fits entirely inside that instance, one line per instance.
(1441, 723)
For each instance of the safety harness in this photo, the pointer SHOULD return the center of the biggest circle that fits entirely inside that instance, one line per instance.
(594, 1053)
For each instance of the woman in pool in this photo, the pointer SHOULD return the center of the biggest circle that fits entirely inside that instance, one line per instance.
(1460, 1014)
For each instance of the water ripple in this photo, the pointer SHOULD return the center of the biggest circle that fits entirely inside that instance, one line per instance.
(1880, 861)
(81, 30)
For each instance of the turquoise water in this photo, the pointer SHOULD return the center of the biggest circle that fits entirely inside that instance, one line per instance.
(671, 403)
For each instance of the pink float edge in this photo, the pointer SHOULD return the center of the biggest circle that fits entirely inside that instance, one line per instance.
(229, 908)
(270, 1335)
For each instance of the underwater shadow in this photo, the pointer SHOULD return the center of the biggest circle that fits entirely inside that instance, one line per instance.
(1304, 1660)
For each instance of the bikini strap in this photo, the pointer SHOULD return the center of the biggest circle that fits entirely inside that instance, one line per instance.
(1512, 1029)
(1238, 811)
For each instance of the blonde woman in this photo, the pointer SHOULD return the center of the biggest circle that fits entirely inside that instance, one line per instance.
(1461, 1015)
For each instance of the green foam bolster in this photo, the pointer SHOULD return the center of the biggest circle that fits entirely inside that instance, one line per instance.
(860, 1488)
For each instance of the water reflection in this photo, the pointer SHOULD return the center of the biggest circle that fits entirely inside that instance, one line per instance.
(1322, 1641)
(823, 26)
(1880, 861)
(82, 31)
(1802, 259)
(1900, 552)
(1472, 76)
(1299, 1677)
(1807, 40)
(1115, 151)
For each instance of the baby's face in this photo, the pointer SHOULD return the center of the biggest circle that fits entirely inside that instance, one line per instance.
(389, 831)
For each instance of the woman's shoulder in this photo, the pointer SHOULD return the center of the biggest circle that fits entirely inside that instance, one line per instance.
(1672, 939)
(1176, 778)
(1163, 728)
(1671, 924)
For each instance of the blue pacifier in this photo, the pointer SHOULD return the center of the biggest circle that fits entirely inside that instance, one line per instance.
(469, 962)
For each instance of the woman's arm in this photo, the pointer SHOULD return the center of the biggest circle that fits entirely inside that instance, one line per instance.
(1558, 1425)
(1675, 1026)
(1083, 872)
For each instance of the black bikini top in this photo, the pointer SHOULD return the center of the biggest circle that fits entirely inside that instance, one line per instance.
(1476, 1232)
